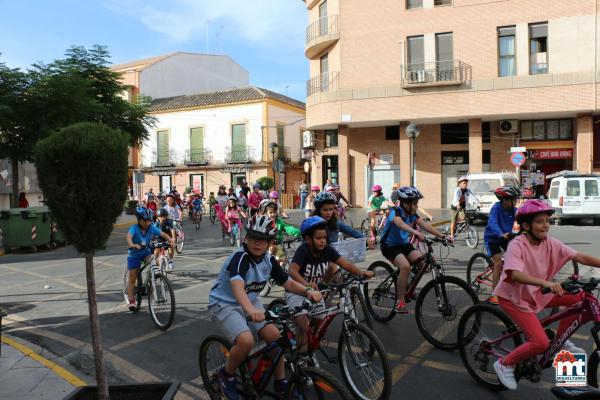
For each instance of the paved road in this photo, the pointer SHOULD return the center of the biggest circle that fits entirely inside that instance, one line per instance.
(46, 298)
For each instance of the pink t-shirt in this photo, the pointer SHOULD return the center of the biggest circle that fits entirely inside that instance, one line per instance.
(542, 261)
(233, 214)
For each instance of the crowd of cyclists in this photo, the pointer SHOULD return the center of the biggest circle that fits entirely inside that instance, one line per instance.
(516, 237)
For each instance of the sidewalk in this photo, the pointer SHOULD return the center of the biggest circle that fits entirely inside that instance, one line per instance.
(25, 374)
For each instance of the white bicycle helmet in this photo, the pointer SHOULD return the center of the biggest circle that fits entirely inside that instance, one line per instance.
(261, 226)
(264, 204)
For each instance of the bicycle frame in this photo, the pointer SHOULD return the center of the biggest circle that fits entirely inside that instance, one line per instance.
(587, 310)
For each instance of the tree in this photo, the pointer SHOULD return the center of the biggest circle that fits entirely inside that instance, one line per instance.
(78, 88)
(265, 182)
(79, 167)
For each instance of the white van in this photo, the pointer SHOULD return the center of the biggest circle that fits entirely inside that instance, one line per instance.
(483, 185)
(575, 195)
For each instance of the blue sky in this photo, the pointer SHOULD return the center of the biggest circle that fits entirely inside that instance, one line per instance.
(265, 36)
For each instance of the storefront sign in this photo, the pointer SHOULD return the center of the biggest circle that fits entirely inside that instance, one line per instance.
(518, 149)
(551, 154)
(164, 172)
(386, 159)
(235, 170)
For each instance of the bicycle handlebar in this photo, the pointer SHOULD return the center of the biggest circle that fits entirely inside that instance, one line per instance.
(574, 285)
(351, 279)
(285, 312)
(432, 240)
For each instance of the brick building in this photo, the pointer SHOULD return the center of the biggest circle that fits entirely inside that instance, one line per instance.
(477, 77)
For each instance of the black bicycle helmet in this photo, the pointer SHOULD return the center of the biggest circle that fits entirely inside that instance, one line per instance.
(324, 198)
(409, 193)
(507, 192)
(163, 213)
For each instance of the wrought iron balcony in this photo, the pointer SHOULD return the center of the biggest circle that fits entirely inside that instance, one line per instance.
(323, 83)
(164, 158)
(321, 34)
(284, 153)
(197, 157)
(438, 73)
(239, 155)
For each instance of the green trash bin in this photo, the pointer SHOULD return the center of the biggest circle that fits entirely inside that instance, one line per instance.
(57, 236)
(25, 227)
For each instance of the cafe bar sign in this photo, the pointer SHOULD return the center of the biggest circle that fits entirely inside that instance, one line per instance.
(235, 170)
(551, 154)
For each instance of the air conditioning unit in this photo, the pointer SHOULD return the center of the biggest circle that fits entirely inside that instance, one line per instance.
(308, 140)
(509, 126)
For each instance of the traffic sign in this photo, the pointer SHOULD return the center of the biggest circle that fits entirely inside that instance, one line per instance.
(517, 159)
(518, 149)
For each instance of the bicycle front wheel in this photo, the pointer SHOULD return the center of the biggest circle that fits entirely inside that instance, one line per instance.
(313, 383)
(161, 300)
(479, 331)
(472, 237)
(197, 222)
(380, 291)
(363, 363)
(439, 307)
(479, 275)
(365, 227)
(179, 244)
(213, 215)
(359, 306)
(213, 354)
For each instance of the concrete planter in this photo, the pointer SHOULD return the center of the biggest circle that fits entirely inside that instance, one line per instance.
(142, 391)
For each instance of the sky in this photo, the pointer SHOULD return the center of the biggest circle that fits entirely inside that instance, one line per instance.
(266, 37)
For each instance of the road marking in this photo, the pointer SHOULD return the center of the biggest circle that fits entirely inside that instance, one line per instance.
(58, 370)
(143, 338)
(58, 280)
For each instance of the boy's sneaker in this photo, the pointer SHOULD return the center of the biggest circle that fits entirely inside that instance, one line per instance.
(170, 267)
(228, 385)
(280, 387)
(400, 307)
(506, 375)
(131, 304)
(571, 348)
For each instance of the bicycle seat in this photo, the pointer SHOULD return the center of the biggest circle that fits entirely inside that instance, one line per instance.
(576, 393)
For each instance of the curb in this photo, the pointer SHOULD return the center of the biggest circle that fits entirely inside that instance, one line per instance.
(439, 223)
(57, 369)
(122, 225)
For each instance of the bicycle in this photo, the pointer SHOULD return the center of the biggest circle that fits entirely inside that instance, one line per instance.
(179, 237)
(161, 258)
(158, 288)
(288, 250)
(486, 333)
(465, 226)
(361, 356)
(343, 217)
(235, 234)
(197, 219)
(443, 299)
(365, 225)
(212, 214)
(304, 381)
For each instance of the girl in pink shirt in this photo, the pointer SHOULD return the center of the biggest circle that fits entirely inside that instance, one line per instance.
(530, 263)
(232, 214)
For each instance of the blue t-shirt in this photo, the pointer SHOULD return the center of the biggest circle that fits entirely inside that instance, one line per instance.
(500, 221)
(313, 268)
(241, 266)
(394, 235)
(197, 203)
(167, 227)
(143, 238)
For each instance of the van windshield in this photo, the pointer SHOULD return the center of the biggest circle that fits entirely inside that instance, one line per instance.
(484, 186)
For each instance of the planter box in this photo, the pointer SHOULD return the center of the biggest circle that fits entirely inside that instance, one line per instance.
(142, 391)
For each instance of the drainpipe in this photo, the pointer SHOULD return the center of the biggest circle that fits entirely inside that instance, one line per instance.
(591, 141)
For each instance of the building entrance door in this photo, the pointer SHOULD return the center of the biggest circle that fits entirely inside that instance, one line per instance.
(384, 175)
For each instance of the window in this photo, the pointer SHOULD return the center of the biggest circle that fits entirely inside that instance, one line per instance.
(455, 133)
(444, 56)
(596, 141)
(197, 144)
(238, 142)
(280, 141)
(553, 129)
(485, 132)
(486, 156)
(442, 3)
(538, 48)
(455, 157)
(410, 4)
(416, 59)
(392, 132)
(323, 24)
(483, 186)
(330, 169)
(506, 51)
(573, 187)
(591, 187)
(162, 147)
(553, 194)
(331, 138)
(324, 65)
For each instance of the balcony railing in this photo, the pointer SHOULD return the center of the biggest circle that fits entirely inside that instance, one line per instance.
(323, 26)
(239, 155)
(438, 73)
(197, 157)
(323, 83)
(164, 158)
(284, 153)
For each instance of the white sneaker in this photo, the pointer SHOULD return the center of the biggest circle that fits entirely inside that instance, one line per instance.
(570, 347)
(506, 375)
(170, 267)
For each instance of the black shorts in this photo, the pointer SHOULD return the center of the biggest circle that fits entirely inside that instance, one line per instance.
(391, 252)
(497, 248)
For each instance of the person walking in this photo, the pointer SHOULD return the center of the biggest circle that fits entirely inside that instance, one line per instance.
(328, 185)
(23, 203)
(303, 192)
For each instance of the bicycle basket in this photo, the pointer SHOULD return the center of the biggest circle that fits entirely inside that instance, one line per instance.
(353, 250)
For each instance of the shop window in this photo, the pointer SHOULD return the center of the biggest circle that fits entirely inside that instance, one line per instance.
(485, 132)
(455, 133)
(591, 187)
(486, 156)
(573, 187)
(552, 129)
(331, 138)
(410, 4)
(330, 169)
(455, 157)
(392, 132)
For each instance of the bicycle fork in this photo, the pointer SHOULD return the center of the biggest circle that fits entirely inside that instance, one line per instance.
(442, 296)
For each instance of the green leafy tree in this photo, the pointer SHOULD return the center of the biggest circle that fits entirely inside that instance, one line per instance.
(79, 167)
(265, 182)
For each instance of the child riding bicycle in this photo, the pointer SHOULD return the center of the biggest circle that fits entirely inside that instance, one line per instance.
(234, 297)
(138, 243)
(233, 214)
(395, 240)
(269, 208)
(530, 263)
(463, 198)
(376, 200)
(166, 225)
(499, 229)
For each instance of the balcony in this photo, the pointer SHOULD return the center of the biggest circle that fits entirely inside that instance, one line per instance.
(197, 157)
(239, 155)
(284, 153)
(323, 83)
(164, 158)
(321, 34)
(438, 73)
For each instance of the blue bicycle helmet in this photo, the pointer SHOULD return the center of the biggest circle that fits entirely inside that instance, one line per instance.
(311, 223)
(324, 198)
(144, 213)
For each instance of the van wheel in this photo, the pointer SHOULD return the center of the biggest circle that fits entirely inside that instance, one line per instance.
(596, 221)
(559, 221)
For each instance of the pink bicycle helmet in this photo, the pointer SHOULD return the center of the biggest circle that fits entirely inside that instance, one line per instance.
(315, 189)
(274, 195)
(531, 208)
(376, 188)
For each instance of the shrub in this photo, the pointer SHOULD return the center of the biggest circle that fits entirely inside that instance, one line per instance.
(265, 182)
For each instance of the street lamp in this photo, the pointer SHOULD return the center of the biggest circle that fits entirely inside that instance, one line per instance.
(274, 147)
(413, 131)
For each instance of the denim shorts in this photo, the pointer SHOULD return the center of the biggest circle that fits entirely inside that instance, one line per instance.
(232, 320)
(135, 261)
